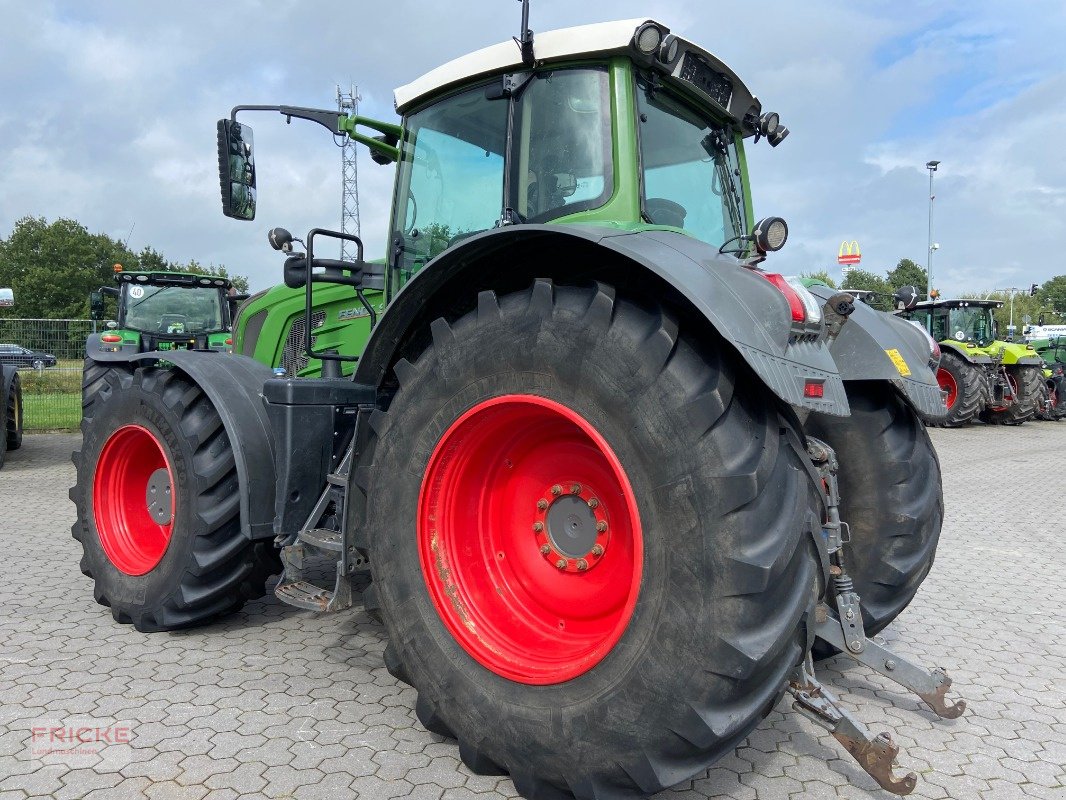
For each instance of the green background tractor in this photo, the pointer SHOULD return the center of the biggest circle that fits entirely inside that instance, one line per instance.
(999, 382)
(576, 452)
(1053, 353)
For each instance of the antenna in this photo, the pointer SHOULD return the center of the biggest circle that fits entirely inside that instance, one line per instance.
(128, 235)
(525, 41)
(348, 103)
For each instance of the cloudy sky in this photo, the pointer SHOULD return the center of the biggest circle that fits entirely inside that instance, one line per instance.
(108, 111)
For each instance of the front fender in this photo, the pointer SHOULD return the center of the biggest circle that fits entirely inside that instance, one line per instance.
(747, 311)
(234, 384)
(974, 355)
(876, 346)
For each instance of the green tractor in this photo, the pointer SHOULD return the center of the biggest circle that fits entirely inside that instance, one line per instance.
(11, 413)
(610, 480)
(1053, 352)
(158, 312)
(998, 382)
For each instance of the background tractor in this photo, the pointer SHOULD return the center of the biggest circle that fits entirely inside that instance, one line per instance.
(1053, 353)
(595, 459)
(10, 397)
(996, 381)
(158, 312)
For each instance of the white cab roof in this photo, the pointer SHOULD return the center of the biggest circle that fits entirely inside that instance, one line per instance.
(602, 38)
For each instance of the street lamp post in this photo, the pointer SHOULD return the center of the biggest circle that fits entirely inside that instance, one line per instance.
(931, 166)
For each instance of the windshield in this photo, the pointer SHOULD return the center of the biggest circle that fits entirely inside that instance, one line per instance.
(172, 310)
(970, 325)
(691, 171)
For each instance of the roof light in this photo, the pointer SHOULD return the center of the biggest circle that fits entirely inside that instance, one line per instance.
(770, 234)
(647, 38)
(768, 123)
(668, 49)
(777, 136)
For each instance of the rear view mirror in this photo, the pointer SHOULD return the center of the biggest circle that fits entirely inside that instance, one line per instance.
(96, 305)
(236, 169)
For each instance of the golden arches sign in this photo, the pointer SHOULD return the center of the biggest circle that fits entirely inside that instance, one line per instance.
(849, 253)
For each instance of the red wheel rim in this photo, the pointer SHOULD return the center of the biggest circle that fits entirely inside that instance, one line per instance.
(947, 382)
(1013, 391)
(133, 500)
(529, 539)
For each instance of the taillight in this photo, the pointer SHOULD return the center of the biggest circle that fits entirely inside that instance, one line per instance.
(801, 303)
(229, 341)
(110, 338)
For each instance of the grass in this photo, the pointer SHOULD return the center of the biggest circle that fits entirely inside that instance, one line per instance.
(51, 398)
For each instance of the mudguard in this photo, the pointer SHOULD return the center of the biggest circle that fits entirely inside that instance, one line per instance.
(234, 385)
(972, 354)
(877, 346)
(747, 311)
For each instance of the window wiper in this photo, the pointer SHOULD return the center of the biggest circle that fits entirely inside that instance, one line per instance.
(716, 145)
(148, 296)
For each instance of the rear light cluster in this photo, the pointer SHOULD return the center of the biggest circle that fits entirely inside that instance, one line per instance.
(801, 303)
(110, 338)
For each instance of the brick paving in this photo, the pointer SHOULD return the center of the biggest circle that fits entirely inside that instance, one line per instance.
(277, 703)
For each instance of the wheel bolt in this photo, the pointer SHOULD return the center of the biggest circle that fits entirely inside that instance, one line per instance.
(545, 549)
(601, 526)
(557, 489)
(538, 526)
(582, 564)
(594, 503)
(561, 563)
(575, 488)
(597, 550)
(542, 504)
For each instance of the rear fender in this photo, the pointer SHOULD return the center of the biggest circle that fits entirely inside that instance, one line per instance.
(877, 346)
(748, 312)
(974, 355)
(234, 385)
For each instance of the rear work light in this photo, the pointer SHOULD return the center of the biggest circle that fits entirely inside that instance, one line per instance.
(801, 303)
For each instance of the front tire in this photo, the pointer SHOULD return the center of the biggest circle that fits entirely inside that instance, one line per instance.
(620, 677)
(159, 505)
(13, 426)
(891, 497)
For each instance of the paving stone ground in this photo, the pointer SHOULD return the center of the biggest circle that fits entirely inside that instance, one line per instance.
(276, 703)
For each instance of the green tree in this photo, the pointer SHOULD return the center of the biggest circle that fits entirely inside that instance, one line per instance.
(861, 279)
(1052, 294)
(908, 273)
(821, 275)
(52, 267)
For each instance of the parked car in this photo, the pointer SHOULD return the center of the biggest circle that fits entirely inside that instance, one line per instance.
(24, 357)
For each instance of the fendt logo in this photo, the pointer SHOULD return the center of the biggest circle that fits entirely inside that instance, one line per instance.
(849, 253)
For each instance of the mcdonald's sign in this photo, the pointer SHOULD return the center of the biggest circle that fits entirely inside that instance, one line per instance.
(849, 253)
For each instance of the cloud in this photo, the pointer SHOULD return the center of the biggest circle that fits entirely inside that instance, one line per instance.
(109, 117)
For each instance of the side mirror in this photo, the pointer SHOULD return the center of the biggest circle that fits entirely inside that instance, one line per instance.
(905, 298)
(236, 169)
(235, 301)
(1039, 321)
(96, 305)
(7, 298)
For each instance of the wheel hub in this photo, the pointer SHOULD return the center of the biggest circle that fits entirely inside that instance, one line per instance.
(570, 527)
(158, 496)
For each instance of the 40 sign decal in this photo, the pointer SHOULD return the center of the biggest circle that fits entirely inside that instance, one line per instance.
(849, 253)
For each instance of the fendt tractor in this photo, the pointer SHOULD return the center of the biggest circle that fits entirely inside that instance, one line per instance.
(158, 311)
(613, 485)
(998, 382)
(11, 413)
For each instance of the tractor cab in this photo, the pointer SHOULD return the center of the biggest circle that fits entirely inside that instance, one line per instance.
(166, 311)
(962, 321)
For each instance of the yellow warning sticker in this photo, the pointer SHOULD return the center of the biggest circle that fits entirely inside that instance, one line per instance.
(899, 361)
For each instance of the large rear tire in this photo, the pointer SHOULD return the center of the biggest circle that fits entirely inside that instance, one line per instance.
(964, 385)
(639, 668)
(163, 563)
(891, 497)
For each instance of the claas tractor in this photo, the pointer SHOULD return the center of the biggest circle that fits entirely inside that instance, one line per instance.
(610, 486)
(995, 381)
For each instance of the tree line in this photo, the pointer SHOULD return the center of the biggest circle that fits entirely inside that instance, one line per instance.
(52, 266)
(1049, 299)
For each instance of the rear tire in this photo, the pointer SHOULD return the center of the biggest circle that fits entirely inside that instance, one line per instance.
(891, 498)
(966, 389)
(154, 574)
(725, 517)
(1027, 383)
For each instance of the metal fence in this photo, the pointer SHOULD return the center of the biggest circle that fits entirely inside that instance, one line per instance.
(51, 369)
